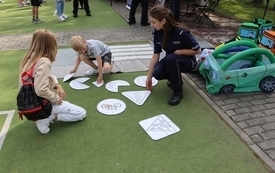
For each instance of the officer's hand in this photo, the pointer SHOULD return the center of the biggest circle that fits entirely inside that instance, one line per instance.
(149, 84)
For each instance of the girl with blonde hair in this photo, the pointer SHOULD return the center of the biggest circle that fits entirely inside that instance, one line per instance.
(41, 54)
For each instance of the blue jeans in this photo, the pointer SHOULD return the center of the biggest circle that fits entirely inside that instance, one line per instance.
(59, 7)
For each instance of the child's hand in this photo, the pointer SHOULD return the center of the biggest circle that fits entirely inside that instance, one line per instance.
(60, 91)
(99, 80)
(72, 71)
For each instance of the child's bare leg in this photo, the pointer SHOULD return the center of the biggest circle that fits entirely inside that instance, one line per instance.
(107, 67)
(87, 60)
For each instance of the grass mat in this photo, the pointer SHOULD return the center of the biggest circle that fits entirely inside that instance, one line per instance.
(104, 144)
(16, 20)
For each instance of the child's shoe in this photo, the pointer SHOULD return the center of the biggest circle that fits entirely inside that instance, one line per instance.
(91, 71)
(61, 19)
(64, 16)
(37, 20)
(43, 125)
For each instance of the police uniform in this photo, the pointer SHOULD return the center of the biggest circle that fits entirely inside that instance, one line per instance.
(172, 65)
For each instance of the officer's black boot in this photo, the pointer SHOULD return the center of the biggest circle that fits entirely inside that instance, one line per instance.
(176, 98)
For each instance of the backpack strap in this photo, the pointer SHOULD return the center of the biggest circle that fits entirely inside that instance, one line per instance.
(27, 74)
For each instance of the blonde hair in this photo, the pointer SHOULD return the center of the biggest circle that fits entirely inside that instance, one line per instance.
(76, 42)
(43, 44)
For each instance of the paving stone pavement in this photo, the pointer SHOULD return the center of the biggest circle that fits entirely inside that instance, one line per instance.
(250, 115)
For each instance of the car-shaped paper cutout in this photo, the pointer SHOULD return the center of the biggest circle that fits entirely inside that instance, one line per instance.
(239, 66)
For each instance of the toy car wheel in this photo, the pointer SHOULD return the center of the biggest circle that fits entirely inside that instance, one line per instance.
(227, 88)
(267, 85)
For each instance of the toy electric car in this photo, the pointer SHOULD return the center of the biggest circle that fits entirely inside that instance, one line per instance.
(239, 66)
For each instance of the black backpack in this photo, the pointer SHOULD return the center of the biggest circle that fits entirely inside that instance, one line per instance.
(29, 104)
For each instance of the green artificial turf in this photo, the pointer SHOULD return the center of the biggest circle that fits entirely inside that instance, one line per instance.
(105, 144)
(17, 20)
(245, 10)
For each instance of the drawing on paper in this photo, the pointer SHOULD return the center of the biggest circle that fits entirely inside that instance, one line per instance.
(138, 97)
(159, 126)
(111, 106)
(141, 81)
(113, 85)
(78, 83)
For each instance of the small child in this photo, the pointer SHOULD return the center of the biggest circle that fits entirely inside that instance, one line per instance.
(89, 50)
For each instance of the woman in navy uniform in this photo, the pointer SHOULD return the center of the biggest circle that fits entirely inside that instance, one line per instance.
(180, 47)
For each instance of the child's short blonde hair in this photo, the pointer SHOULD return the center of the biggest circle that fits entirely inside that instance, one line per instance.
(76, 42)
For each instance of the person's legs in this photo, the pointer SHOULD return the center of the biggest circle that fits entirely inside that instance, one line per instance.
(86, 7)
(65, 112)
(144, 13)
(107, 63)
(68, 112)
(59, 9)
(81, 4)
(134, 5)
(175, 8)
(177, 64)
(75, 8)
(35, 5)
(160, 70)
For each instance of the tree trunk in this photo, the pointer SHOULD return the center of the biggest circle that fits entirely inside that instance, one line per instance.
(259, 2)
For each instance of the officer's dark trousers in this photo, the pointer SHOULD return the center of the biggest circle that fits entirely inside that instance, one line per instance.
(144, 11)
(171, 67)
(85, 3)
(175, 8)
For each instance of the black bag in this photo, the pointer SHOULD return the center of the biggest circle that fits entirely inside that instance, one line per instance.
(29, 104)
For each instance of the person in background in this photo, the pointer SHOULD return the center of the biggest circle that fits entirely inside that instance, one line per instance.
(180, 48)
(175, 9)
(86, 8)
(144, 12)
(35, 13)
(60, 10)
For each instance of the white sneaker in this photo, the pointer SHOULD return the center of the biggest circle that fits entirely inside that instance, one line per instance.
(43, 125)
(61, 19)
(64, 16)
(91, 71)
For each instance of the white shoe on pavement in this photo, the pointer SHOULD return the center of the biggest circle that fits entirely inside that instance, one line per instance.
(61, 19)
(64, 16)
(91, 71)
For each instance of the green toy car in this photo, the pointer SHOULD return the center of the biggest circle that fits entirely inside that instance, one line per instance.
(239, 66)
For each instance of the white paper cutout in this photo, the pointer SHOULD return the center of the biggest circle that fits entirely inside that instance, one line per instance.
(68, 77)
(111, 106)
(159, 126)
(78, 83)
(113, 85)
(141, 81)
(98, 85)
(82, 79)
(138, 97)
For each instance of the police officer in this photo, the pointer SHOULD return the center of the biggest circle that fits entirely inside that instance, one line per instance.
(180, 47)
